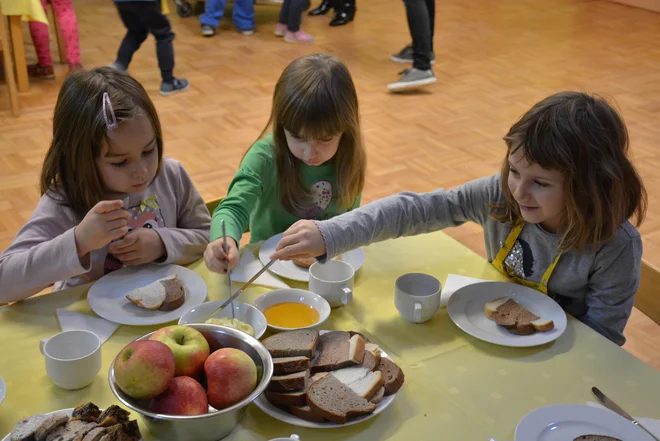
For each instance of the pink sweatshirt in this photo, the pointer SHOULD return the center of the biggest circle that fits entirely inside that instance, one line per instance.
(44, 250)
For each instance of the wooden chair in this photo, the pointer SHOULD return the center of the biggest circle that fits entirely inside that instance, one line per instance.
(647, 299)
(8, 60)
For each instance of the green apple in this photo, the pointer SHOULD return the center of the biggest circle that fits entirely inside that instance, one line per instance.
(189, 346)
(144, 369)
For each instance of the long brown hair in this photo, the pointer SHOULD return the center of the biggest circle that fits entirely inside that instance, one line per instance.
(79, 128)
(585, 138)
(314, 98)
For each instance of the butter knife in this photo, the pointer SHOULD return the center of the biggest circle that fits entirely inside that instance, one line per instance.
(611, 405)
(226, 250)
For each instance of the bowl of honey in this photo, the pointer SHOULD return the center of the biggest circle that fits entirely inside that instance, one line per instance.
(289, 309)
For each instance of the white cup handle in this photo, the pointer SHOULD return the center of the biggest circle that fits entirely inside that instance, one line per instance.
(42, 343)
(347, 295)
(417, 313)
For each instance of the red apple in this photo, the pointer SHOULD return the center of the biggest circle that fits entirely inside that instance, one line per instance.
(144, 369)
(189, 346)
(184, 396)
(231, 376)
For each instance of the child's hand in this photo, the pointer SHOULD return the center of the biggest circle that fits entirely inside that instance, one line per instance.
(140, 246)
(105, 222)
(216, 258)
(302, 239)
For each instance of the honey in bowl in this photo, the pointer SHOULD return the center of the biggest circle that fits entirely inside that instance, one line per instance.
(291, 315)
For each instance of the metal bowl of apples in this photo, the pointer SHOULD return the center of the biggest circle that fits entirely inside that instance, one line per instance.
(191, 382)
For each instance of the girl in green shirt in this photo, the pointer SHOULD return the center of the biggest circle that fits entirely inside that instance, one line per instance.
(312, 165)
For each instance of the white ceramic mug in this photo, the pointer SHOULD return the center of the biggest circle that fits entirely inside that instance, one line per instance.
(333, 281)
(73, 358)
(417, 297)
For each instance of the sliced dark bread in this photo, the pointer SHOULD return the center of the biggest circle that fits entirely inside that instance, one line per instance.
(305, 413)
(95, 434)
(74, 430)
(361, 380)
(393, 377)
(338, 350)
(24, 430)
(113, 415)
(289, 383)
(380, 394)
(370, 361)
(301, 342)
(364, 337)
(334, 401)
(290, 365)
(595, 438)
(296, 398)
(518, 320)
(49, 424)
(86, 412)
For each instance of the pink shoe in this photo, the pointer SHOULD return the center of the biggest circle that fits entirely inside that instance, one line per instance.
(298, 37)
(280, 30)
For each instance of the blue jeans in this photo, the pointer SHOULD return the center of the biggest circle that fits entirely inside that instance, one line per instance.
(243, 14)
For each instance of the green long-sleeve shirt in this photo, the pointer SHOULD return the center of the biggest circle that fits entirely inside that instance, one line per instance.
(254, 196)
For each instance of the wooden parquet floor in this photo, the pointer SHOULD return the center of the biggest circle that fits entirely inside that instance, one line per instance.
(495, 59)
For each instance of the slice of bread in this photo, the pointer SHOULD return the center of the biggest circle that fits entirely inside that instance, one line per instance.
(289, 382)
(491, 307)
(317, 376)
(301, 342)
(595, 438)
(393, 377)
(380, 394)
(338, 350)
(95, 434)
(24, 430)
(49, 424)
(304, 262)
(86, 412)
(290, 365)
(334, 401)
(373, 348)
(175, 295)
(518, 320)
(370, 361)
(297, 398)
(305, 413)
(150, 296)
(543, 325)
(351, 374)
(368, 386)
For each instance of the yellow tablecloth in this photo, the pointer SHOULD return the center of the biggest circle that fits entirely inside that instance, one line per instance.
(457, 388)
(30, 10)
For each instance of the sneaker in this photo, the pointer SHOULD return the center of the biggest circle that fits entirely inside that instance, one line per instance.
(43, 72)
(406, 56)
(412, 79)
(280, 30)
(208, 31)
(298, 37)
(117, 66)
(178, 85)
(247, 32)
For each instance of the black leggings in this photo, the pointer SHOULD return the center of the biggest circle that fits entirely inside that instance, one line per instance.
(421, 22)
(291, 13)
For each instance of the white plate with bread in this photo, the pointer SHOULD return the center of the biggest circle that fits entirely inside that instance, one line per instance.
(328, 379)
(575, 422)
(298, 269)
(146, 294)
(507, 314)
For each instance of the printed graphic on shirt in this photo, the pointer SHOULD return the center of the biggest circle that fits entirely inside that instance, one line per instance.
(520, 260)
(321, 197)
(142, 216)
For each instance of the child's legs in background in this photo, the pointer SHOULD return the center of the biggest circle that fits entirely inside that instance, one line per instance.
(160, 27)
(294, 10)
(420, 31)
(41, 40)
(136, 31)
(66, 17)
(430, 6)
(213, 12)
(243, 14)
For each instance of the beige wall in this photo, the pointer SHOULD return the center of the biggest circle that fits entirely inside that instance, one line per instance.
(652, 5)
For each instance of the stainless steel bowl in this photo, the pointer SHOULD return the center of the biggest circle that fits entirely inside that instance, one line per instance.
(211, 426)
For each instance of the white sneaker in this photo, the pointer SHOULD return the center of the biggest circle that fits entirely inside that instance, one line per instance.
(412, 79)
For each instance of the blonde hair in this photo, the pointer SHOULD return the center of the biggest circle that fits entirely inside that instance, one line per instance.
(585, 138)
(79, 128)
(315, 98)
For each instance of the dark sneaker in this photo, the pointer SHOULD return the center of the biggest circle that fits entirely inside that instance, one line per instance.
(117, 66)
(208, 31)
(43, 72)
(406, 56)
(412, 79)
(178, 85)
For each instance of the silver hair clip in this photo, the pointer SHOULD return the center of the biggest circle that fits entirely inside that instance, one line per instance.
(111, 122)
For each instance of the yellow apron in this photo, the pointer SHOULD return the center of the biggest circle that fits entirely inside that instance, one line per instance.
(506, 248)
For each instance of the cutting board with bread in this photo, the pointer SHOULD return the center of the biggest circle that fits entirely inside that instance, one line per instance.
(328, 379)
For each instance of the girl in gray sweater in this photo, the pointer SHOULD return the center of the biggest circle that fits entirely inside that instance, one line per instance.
(555, 218)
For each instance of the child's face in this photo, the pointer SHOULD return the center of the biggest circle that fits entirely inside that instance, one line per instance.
(129, 163)
(313, 152)
(538, 192)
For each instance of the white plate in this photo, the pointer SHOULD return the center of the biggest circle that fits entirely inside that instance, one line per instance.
(565, 422)
(270, 409)
(289, 270)
(3, 390)
(107, 297)
(244, 312)
(68, 411)
(466, 309)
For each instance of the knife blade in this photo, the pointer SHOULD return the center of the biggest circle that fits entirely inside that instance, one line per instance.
(226, 249)
(611, 405)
